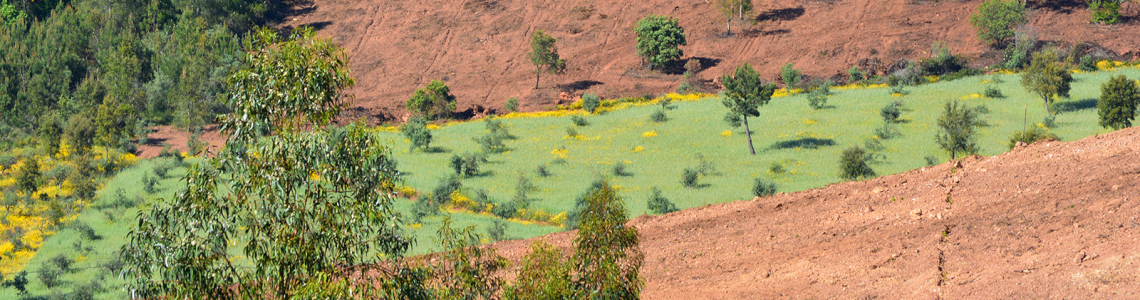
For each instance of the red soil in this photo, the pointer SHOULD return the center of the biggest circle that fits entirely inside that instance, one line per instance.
(479, 46)
(1050, 220)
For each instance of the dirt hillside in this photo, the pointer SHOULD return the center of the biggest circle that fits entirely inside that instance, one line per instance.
(479, 46)
(1049, 220)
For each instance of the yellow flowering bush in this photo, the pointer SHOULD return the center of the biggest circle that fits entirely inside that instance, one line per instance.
(649, 133)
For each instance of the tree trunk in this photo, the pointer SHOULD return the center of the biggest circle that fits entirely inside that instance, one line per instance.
(1046, 106)
(748, 132)
(537, 76)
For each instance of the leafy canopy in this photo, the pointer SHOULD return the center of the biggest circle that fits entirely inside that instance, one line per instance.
(1119, 98)
(433, 101)
(657, 40)
(744, 93)
(996, 20)
(544, 55)
(1046, 77)
(956, 129)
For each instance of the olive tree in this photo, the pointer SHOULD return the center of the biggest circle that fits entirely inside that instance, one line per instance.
(544, 55)
(995, 20)
(1119, 98)
(432, 101)
(744, 93)
(300, 206)
(657, 40)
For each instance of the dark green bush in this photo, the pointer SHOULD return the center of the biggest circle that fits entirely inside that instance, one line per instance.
(579, 121)
(161, 168)
(1030, 136)
(506, 210)
(590, 102)
(763, 188)
(542, 171)
(62, 263)
(887, 131)
(1088, 64)
(776, 168)
(58, 173)
(891, 112)
(468, 164)
(789, 75)
(1119, 98)
(658, 204)
(620, 170)
(415, 130)
(993, 92)
(85, 231)
(852, 164)
(658, 116)
(7, 160)
(996, 19)
(817, 97)
(512, 105)
(571, 132)
(943, 63)
(49, 276)
(689, 178)
(149, 183)
(854, 75)
(1104, 11)
(28, 176)
(497, 231)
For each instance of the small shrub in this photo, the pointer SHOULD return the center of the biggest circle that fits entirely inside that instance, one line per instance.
(62, 263)
(874, 148)
(194, 143)
(891, 112)
(1088, 64)
(491, 143)
(85, 231)
(590, 102)
(7, 160)
(898, 89)
(49, 277)
(59, 173)
(993, 92)
(579, 121)
(982, 110)
(733, 119)
(1030, 136)
(571, 132)
(658, 116)
(931, 160)
(658, 204)
(161, 168)
(497, 231)
(468, 164)
(943, 62)
(689, 178)
(620, 170)
(1119, 98)
(28, 176)
(149, 183)
(1104, 11)
(887, 131)
(763, 188)
(789, 75)
(542, 171)
(854, 75)
(512, 105)
(506, 210)
(776, 168)
(415, 130)
(1050, 121)
(853, 164)
(817, 97)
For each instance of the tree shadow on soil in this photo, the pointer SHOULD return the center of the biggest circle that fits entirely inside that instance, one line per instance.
(783, 14)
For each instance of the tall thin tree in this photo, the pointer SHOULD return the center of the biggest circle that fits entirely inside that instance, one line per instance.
(744, 93)
(544, 55)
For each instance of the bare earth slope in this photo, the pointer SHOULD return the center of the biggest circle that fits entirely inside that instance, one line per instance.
(1050, 220)
(479, 46)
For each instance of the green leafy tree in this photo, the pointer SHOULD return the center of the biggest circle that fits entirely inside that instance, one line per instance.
(10, 15)
(590, 102)
(51, 131)
(790, 76)
(956, 129)
(733, 8)
(544, 55)
(416, 131)
(853, 164)
(1119, 98)
(114, 121)
(28, 176)
(512, 105)
(543, 274)
(658, 38)
(606, 257)
(329, 190)
(995, 20)
(744, 93)
(80, 133)
(433, 101)
(1046, 77)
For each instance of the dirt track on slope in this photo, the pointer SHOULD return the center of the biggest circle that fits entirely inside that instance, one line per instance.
(479, 46)
(1049, 220)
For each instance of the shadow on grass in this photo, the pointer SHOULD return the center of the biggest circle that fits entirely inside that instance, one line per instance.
(436, 149)
(806, 143)
(1072, 106)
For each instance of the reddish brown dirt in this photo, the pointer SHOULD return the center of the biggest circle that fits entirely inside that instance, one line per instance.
(1050, 220)
(177, 138)
(479, 46)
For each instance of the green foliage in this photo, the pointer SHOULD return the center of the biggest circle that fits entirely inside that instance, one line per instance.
(854, 75)
(10, 15)
(887, 131)
(776, 168)
(497, 231)
(689, 178)
(1104, 11)
(327, 187)
(942, 62)
(80, 133)
(733, 119)
(512, 105)
(590, 102)
(544, 55)
(1030, 136)
(1119, 99)
(468, 164)
(620, 170)
(541, 171)
(996, 19)
(415, 130)
(744, 94)
(817, 97)
(28, 176)
(113, 122)
(891, 112)
(853, 164)
(1088, 64)
(658, 204)
(579, 121)
(957, 129)
(1017, 55)
(1046, 77)
(606, 257)
(542, 275)
(51, 131)
(993, 92)
(763, 188)
(658, 116)
(790, 76)
(465, 270)
(657, 40)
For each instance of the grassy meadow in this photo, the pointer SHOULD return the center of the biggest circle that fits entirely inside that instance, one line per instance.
(804, 142)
